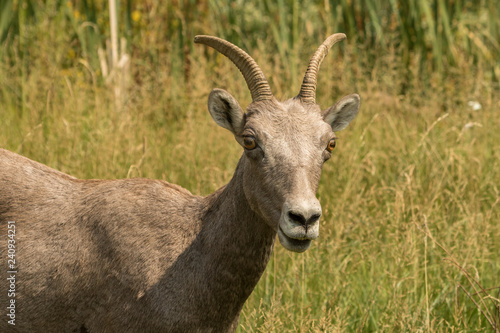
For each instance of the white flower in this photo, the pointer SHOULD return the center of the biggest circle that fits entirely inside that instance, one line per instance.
(475, 105)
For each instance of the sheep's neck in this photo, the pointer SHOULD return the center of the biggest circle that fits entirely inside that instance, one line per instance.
(239, 245)
(219, 270)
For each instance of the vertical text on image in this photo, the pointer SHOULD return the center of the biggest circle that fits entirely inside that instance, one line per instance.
(11, 272)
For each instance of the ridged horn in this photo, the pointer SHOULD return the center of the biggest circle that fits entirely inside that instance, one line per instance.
(307, 92)
(256, 81)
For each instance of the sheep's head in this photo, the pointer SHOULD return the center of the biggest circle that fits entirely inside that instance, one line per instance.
(285, 143)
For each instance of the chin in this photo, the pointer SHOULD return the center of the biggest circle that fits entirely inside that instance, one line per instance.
(292, 244)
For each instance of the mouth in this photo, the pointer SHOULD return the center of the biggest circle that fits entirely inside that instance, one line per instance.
(293, 244)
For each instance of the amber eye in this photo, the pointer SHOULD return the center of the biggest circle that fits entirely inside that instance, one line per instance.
(249, 142)
(331, 145)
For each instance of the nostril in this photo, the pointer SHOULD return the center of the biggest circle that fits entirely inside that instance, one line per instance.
(314, 218)
(296, 217)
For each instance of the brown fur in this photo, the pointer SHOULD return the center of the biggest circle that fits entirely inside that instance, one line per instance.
(127, 255)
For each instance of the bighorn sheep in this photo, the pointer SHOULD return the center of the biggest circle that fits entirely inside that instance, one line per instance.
(142, 255)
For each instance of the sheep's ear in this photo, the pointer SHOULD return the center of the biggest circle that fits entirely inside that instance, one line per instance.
(226, 111)
(342, 113)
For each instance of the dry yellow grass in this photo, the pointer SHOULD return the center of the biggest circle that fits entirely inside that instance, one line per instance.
(416, 168)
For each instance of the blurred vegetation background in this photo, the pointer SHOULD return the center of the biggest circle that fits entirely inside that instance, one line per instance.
(410, 232)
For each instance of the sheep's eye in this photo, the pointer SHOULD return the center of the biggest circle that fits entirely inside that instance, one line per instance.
(249, 142)
(331, 145)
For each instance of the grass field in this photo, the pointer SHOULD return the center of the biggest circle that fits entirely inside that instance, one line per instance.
(410, 238)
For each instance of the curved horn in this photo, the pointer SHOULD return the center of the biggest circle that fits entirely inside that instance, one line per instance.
(256, 81)
(307, 92)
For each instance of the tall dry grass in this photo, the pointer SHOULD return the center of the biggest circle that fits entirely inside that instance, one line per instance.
(410, 198)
